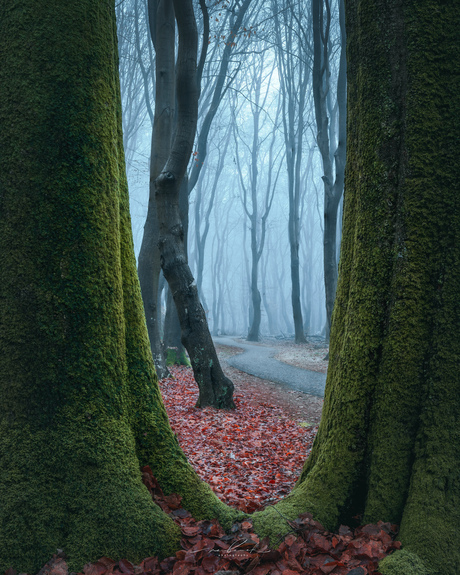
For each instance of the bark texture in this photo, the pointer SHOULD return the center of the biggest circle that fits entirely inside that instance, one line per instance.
(214, 387)
(388, 446)
(333, 179)
(80, 406)
(162, 24)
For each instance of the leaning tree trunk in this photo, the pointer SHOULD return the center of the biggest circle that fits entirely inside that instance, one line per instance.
(215, 388)
(80, 409)
(388, 447)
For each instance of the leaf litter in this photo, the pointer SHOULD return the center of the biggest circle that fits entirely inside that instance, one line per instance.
(251, 457)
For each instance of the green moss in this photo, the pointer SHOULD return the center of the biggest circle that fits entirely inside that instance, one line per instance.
(174, 357)
(77, 487)
(81, 409)
(403, 563)
(388, 442)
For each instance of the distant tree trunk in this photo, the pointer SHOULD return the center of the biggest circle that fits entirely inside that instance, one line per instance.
(202, 143)
(214, 387)
(161, 20)
(295, 280)
(256, 300)
(333, 188)
(201, 236)
(388, 447)
(294, 78)
(272, 328)
(172, 334)
(286, 318)
(257, 215)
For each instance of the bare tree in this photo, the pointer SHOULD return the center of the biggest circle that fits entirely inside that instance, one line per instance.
(214, 387)
(292, 42)
(256, 214)
(326, 136)
(135, 75)
(162, 29)
(220, 86)
(202, 212)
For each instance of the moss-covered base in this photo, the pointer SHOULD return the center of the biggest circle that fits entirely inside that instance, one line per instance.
(177, 357)
(272, 521)
(76, 487)
(403, 563)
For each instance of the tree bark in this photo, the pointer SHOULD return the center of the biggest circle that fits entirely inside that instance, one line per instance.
(388, 447)
(215, 388)
(172, 336)
(333, 186)
(172, 333)
(162, 23)
(294, 81)
(80, 407)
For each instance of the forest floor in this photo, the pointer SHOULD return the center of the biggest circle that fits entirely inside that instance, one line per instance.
(251, 457)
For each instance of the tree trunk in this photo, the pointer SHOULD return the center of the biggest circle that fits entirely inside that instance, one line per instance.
(330, 257)
(202, 142)
(214, 387)
(172, 336)
(149, 268)
(295, 293)
(333, 187)
(253, 334)
(80, 407)
(388, 447)
(162, 23)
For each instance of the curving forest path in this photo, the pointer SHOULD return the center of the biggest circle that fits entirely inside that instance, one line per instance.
(258, 360)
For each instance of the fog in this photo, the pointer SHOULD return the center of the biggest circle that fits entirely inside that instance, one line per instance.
(261, 186)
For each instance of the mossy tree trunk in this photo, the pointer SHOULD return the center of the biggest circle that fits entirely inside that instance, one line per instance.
(388, 447)
(80, 406)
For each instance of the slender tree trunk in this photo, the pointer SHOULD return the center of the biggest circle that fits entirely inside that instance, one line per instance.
(214, 387)
(201, 237)
(202, 143)
(333, 187)
(161, 20)
(293, 86)
(388, 447)
(330, 257)
(253, 334)
(172, 335)
(272, 328)
(295, 293)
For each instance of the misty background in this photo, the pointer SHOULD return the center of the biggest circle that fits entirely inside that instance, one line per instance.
(272, 156)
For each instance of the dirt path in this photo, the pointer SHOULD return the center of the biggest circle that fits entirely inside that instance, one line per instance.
(259, 360)
(301, 407)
